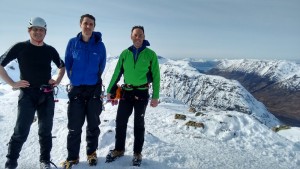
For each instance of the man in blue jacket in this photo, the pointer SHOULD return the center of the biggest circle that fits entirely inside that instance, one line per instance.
(85, 61)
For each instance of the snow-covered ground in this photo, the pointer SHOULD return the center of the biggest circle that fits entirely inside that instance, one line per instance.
(228, 140)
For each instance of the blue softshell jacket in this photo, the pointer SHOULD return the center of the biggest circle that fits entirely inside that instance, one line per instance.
(85, 61)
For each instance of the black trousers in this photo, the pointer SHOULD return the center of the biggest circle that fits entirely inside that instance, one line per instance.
(136, 100)
(84, 103)
(33, 100)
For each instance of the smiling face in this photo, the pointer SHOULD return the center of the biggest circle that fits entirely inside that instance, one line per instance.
(137, 37)
(37, 35)
(87, 26)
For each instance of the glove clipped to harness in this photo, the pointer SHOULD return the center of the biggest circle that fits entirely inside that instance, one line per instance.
(118, 93)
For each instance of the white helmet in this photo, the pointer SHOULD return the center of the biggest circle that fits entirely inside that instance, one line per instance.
(37, 21)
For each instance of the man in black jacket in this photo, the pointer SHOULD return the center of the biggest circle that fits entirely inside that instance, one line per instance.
(36, 90)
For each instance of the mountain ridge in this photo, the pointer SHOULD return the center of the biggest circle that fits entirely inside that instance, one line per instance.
(276, 83)
(185, 83)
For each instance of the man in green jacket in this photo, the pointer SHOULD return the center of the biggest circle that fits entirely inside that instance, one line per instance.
(140, 68)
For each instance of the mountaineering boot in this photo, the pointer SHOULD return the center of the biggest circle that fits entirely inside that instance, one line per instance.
(92, 159)
(11, 164)
(69, 163)
(44, 165)
(113, 155)
(137, 159)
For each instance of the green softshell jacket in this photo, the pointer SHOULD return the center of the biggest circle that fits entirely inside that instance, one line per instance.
(136, 73)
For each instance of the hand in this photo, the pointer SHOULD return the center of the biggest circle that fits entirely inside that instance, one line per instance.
(20, 84)
(52, 82)
(154, 102)
(113, 101)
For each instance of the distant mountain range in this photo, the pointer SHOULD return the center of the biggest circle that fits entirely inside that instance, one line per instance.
(276, 83)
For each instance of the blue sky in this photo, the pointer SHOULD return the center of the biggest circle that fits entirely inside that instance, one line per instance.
(208, 29)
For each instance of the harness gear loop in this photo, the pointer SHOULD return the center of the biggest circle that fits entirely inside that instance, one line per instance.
(50, 88)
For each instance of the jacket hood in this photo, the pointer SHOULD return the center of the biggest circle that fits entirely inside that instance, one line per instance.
(96, 35)
(146, 43)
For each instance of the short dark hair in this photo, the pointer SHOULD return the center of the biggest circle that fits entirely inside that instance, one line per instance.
(89, 16)
(138, 27)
